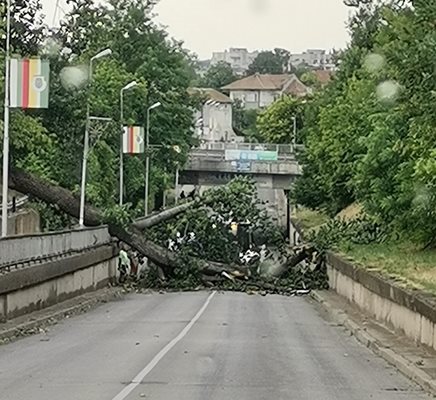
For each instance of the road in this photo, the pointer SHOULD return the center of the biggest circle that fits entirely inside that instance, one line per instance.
(189, 346)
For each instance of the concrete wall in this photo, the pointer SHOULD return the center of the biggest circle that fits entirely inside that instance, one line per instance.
(39, 286)
(24, 222)
(286, 168)
(255, 99)
(411, 313)
(217, 123)
(27, 248)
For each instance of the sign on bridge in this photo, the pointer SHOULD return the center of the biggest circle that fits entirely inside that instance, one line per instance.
(251, 155)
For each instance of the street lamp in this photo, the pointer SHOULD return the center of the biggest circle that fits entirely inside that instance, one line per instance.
(5, 178)
(147, 156)
(127, 87)
(102, 54)
(294, 139)
(178, 151)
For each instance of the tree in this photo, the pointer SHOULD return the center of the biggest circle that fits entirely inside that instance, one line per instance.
(244, 122)
(218, 75)
(140, 51)
(276, 123)
(270, 62)
(370, 135)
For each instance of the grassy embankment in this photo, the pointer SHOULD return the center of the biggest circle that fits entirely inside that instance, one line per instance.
(410, 265)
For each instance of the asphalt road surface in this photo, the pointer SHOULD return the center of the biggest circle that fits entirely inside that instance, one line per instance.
(191, 346)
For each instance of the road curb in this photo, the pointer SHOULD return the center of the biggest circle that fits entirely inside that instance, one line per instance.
(402, 364)
(36, 325)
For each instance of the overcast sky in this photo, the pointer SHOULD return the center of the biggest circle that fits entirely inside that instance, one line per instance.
(214, 25)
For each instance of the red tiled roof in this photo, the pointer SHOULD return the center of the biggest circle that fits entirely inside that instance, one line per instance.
(323, 76)
(286, 83)
(211, 94)
(260, 82)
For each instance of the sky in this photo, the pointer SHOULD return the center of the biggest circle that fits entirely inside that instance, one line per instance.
(214, 25)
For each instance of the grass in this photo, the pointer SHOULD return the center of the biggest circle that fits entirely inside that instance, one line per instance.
(310, 219)
(409, 265)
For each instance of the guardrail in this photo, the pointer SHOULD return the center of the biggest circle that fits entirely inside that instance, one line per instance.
(18, 203)
(219, 155)
(23, 249)
(280, 148)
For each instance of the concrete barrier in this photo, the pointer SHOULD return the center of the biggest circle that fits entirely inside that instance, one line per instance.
(25, 248)
(413, 313)
(24, 222)
(41, 285)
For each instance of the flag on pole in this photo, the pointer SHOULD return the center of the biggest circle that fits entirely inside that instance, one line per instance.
(29, 86)
(133, 140)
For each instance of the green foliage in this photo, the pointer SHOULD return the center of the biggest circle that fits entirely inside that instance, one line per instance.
(217, 76)
(270, 62)
(116, 215)
(370, 135)
(363, 230)
(309, 78)
(50, 142)
(276, 123)
(245, 122)
(212, 237)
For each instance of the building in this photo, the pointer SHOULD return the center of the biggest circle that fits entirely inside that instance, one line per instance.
(239, 59)
(214, 122)
(314, 58)
(323, 76)
(260, 91)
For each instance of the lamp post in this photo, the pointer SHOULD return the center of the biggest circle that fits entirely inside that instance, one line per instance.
(294, 138)
(176, 187)
(5, 179)
(127, 87)
(147, 156)
(102, 54)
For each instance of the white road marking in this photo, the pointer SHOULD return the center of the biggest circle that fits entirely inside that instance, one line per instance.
(149, 367)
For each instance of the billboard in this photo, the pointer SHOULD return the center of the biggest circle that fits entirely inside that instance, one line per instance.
(251, 155)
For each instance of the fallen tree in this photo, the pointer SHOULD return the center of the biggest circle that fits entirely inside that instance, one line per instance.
(158, 218)
(155, 250)
(24, 182)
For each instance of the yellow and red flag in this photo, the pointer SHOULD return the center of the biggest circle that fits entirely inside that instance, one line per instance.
(133, 140)
(29, 83)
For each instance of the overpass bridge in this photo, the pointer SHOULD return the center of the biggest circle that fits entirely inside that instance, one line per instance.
(273, 167)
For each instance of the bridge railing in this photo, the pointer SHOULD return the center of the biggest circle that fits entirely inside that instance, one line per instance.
(222, 146)
(28, 248)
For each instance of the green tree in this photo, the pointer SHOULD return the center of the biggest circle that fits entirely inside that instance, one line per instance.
(217, 76)
(244, 122)
(270, 62)
(370, 135)
(140, 51)
(276, 123)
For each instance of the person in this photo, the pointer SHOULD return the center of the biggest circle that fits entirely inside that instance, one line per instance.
(133, 264)
(123, 263)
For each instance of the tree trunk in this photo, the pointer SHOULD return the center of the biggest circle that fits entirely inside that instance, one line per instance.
(292, 262)
(26, 183)
(148, 222)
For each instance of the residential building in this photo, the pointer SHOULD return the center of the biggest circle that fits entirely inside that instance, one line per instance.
(214, 122)
(261, 90)
(239, 59)
(323, 76)
(314, 58)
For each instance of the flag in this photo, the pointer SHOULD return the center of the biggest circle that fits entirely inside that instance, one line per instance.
(29, 83)
(133, 140)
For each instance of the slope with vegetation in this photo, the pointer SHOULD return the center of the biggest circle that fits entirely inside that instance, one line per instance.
(369, 139)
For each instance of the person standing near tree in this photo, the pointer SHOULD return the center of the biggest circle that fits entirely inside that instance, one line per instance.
(123, 263)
